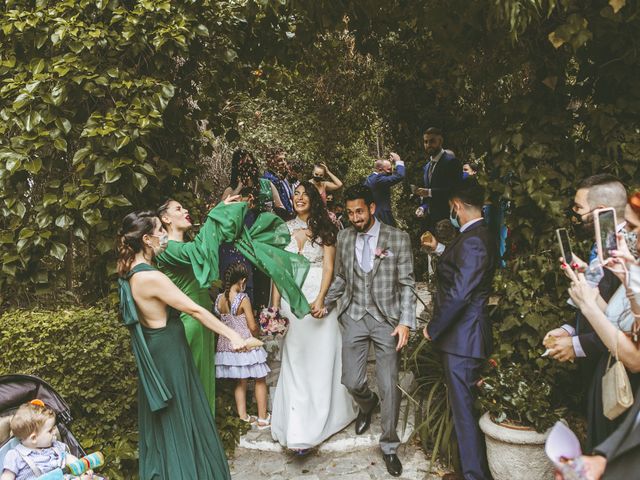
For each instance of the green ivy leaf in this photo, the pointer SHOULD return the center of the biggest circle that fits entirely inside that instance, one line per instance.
(116, 201)
(139, 181)
(64, 221)
(60, 144)
(58, 250)
(111, 176)
(92, 216)
(80, 155)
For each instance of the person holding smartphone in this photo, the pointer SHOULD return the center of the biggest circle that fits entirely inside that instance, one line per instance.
(622, 311)
(619, 455)
(577, 339)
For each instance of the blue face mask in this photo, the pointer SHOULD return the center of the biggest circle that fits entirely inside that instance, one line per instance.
(453, 218)
(465, 175)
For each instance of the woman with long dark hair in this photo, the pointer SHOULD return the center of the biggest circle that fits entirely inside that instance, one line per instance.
(178, 437)
(310, 403)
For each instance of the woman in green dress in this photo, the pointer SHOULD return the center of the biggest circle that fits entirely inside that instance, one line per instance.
(178, 437)
(193, 266)
(176, 262)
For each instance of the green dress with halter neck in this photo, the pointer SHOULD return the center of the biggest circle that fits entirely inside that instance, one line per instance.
(178, 437)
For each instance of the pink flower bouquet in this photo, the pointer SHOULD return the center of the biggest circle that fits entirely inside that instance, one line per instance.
(272, 323)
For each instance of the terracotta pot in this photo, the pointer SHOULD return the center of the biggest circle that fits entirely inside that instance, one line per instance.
(515, 453)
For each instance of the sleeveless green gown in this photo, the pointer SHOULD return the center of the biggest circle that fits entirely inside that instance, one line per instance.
(178, 437)
(193, 266)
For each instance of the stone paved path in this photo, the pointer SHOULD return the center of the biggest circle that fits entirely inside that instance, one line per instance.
(364, 464)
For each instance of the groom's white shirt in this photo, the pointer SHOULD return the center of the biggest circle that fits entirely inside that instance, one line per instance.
(374, 233)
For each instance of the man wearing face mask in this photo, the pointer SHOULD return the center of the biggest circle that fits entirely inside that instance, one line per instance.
(380, 183)
(460, 329)
(576, 339)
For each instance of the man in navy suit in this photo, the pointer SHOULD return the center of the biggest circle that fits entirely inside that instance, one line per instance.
(380, 183)
(460, 328)
(441, 175)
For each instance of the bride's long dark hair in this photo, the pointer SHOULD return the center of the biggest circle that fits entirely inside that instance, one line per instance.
(323, 230)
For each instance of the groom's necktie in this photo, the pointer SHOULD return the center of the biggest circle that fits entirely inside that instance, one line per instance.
(365, 261)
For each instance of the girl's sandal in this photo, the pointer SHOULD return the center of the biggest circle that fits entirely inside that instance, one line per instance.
(250, 419)
(264, 423)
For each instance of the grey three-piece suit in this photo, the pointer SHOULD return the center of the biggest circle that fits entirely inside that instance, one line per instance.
(370, 306)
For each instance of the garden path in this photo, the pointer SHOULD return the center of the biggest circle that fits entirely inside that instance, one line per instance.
(345, 455)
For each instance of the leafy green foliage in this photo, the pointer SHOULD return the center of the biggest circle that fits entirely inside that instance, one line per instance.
(85, 86)
(436, 421)
(518, 395)
(104, 107)
(85, 354)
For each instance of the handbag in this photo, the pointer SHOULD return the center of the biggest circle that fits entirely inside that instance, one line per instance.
(617, 395)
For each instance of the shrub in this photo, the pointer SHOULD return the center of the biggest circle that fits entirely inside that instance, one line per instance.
(85, 354)
(520, 395)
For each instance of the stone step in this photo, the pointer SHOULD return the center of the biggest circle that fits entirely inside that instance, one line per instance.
(355, 465)
(347, 440)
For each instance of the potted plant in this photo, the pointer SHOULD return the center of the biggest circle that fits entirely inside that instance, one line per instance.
(517, 401)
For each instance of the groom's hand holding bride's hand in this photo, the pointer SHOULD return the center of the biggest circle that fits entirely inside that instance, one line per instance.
(402, 332)
(317, 310)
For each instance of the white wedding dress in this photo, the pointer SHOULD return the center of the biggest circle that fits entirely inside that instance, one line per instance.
(310, 402)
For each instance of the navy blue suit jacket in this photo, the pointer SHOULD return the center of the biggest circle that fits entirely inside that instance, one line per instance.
(447, 174)
(380, 184)
(460, 323)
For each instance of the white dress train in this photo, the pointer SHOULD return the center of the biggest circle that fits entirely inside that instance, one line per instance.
(310, 402)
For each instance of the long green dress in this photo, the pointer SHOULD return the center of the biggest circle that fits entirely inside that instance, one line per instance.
(193, 266)
(178, 436)
(223, 224)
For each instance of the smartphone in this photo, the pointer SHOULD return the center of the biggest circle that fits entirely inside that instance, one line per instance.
(565, 245)
(413, 188)
(605, 225)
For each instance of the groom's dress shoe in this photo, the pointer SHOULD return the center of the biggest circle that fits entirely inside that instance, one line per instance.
(363, 420)
(394, 467)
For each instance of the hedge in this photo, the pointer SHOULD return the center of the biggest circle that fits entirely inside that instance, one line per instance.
(85, 354)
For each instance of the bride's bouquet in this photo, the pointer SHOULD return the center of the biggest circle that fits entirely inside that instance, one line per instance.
(272, 323)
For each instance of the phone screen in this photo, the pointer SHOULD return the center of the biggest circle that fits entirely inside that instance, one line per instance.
(413, 188)
(565, 245)
(608, 238)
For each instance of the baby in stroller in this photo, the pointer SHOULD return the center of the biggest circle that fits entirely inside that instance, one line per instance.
(38, 452)
(17, 390)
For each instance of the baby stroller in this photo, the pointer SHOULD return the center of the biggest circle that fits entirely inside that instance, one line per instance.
(18, 389)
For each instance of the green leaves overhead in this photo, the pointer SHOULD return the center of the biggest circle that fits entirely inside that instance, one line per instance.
(101, 110)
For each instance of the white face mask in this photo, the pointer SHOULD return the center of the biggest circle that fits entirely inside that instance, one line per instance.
(163, 241)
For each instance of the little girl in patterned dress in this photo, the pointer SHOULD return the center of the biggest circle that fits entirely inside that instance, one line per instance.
(234, 309)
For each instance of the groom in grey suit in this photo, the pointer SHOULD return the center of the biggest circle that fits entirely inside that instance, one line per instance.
(373, 287)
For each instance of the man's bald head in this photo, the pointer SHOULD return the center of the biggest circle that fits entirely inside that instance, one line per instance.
(604, 191)
(383, 166)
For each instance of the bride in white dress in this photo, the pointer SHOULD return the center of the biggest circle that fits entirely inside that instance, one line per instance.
(310, 402)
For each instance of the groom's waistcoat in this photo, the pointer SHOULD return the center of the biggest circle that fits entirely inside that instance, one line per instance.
(362, 301)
